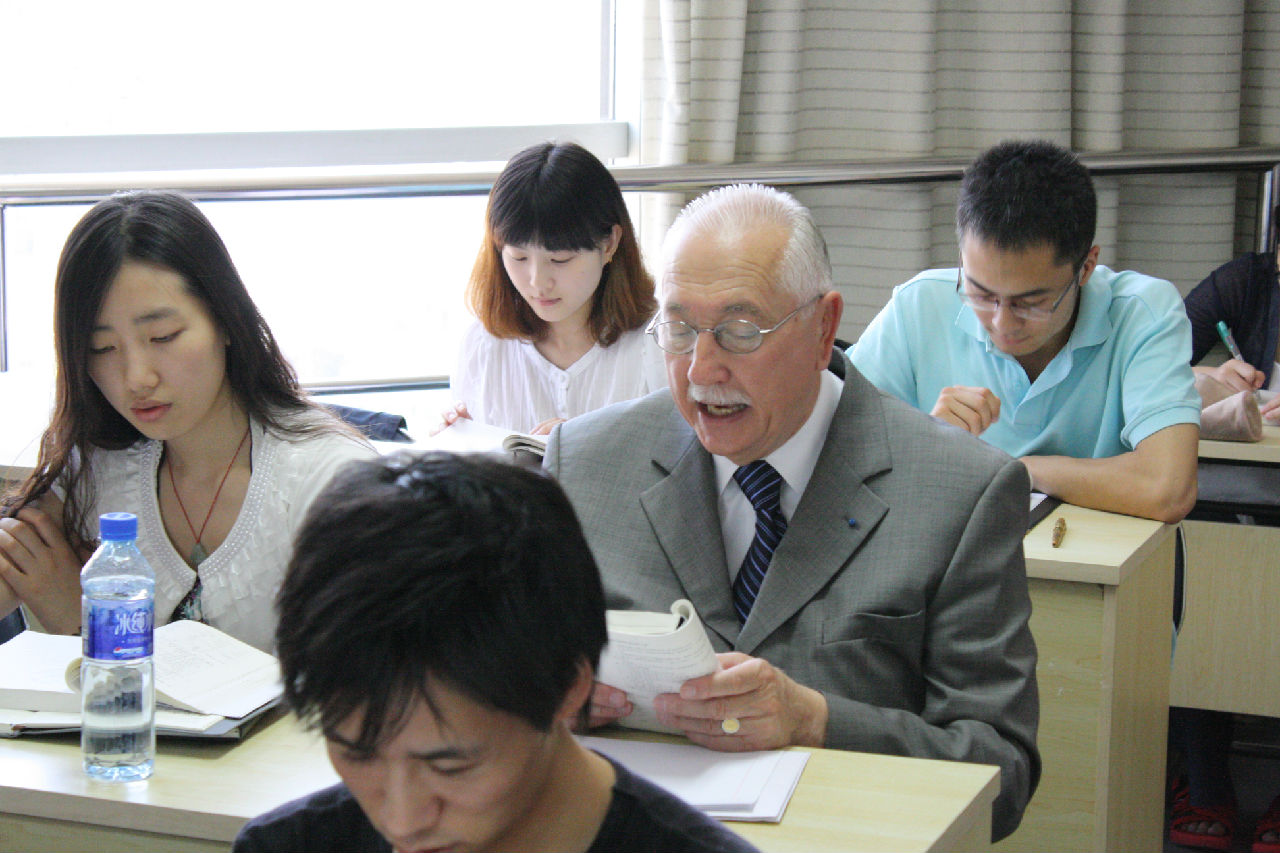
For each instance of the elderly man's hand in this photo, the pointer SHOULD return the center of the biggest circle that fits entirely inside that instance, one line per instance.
(771, 710)
(608, 705)
(968, 407)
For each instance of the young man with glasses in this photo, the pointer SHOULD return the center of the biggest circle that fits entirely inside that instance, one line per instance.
(857, 564)
(1079, 370)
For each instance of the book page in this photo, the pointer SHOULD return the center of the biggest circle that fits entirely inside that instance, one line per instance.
(31, 672)
(201, 669)
(647, 664)
(466, 436)
(14, 723)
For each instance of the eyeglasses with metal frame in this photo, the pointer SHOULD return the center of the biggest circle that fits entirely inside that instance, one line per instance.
(987, 303)
(736, 336)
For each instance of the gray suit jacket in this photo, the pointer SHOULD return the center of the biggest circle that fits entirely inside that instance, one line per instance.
(899, 589)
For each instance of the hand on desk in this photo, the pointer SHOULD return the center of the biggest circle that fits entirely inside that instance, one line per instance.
(41, 568)
(1271, 410)
(969, 407)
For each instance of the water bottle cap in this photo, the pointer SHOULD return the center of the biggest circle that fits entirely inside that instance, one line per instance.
(118, 526)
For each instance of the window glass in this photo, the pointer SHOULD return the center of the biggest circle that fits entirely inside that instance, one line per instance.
(354, 289)
(156, 66)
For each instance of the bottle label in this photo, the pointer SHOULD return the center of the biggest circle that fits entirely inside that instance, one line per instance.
(118, 630)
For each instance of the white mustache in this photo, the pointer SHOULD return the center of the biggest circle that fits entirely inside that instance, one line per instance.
(716, 395)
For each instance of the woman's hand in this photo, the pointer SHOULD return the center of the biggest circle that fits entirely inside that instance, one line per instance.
(546, 426)
(40, 567)
(449, 417)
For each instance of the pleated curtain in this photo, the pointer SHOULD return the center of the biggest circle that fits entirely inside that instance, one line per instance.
(794, 81)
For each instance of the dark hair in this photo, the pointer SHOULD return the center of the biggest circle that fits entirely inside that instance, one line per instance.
(1022, 194)
(560, 197)
(167, 229)
(455, 569)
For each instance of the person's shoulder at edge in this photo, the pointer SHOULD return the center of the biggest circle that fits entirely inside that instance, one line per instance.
(329, 819)
(1129, 287)
(601, 421)
(926, 283)
(652, 818)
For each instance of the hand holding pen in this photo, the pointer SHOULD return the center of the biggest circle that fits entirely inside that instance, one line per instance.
(1240, 375)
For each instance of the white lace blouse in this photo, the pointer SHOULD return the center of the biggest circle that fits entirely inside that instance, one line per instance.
(240, 578)
(508, 383)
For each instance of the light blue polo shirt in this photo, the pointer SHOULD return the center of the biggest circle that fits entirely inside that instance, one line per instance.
(1123, 375)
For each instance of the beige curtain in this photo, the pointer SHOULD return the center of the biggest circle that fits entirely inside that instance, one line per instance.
(790, 80)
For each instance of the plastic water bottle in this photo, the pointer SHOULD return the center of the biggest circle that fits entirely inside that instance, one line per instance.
(118, 704)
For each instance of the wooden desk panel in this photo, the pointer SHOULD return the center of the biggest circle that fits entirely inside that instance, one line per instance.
(1101, 608)
(202, 793)
(1228, 646)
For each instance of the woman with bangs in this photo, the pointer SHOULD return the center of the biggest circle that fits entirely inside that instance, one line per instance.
(175, 403)
(561, 296)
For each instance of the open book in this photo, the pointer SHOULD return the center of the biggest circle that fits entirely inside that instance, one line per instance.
(207, 683)
(653, 653)
(468, 436)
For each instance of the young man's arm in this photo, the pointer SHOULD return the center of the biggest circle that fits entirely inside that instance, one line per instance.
(1157, 479)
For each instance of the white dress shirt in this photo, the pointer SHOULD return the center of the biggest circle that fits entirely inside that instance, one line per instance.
(508, 383)
(794, 460)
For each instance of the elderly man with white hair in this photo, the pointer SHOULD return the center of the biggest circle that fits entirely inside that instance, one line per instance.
(857, 564)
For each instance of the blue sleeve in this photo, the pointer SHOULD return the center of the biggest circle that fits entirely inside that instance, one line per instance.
(883, 353)
(1158, 386)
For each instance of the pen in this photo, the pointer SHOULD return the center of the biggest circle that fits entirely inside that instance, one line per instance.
(1229, 339)
(1059, 531)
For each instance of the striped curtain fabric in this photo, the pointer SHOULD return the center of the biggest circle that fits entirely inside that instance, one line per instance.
(790, 80)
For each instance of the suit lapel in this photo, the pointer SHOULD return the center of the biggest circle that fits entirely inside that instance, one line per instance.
(683, 512)
(821, 539)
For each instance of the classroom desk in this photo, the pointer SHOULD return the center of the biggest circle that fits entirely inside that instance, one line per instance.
(202, 793)
(1228, 645)
(1101, 608)
(1264, 452)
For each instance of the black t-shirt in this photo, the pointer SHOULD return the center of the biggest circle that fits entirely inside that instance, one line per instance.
(641, 817)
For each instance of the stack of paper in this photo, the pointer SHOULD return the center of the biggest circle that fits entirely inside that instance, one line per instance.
(746, 786)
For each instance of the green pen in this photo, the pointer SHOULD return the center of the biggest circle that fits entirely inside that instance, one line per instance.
(1227, 338)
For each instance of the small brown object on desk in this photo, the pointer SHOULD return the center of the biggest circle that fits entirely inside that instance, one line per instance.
(1059, 531)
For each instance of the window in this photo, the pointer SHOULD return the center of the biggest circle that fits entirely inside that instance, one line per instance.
(356, 289)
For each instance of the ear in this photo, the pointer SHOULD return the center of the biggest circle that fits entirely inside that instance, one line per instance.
(579, 693)
(1090, 261)
(612, 241)
(830, 309)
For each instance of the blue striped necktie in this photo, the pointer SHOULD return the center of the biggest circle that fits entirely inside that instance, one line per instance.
(762, 484)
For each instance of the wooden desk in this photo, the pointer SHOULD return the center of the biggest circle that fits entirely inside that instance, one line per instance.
(1265, 452)
(202, 793)
(1228, 646)
(1101, 608)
